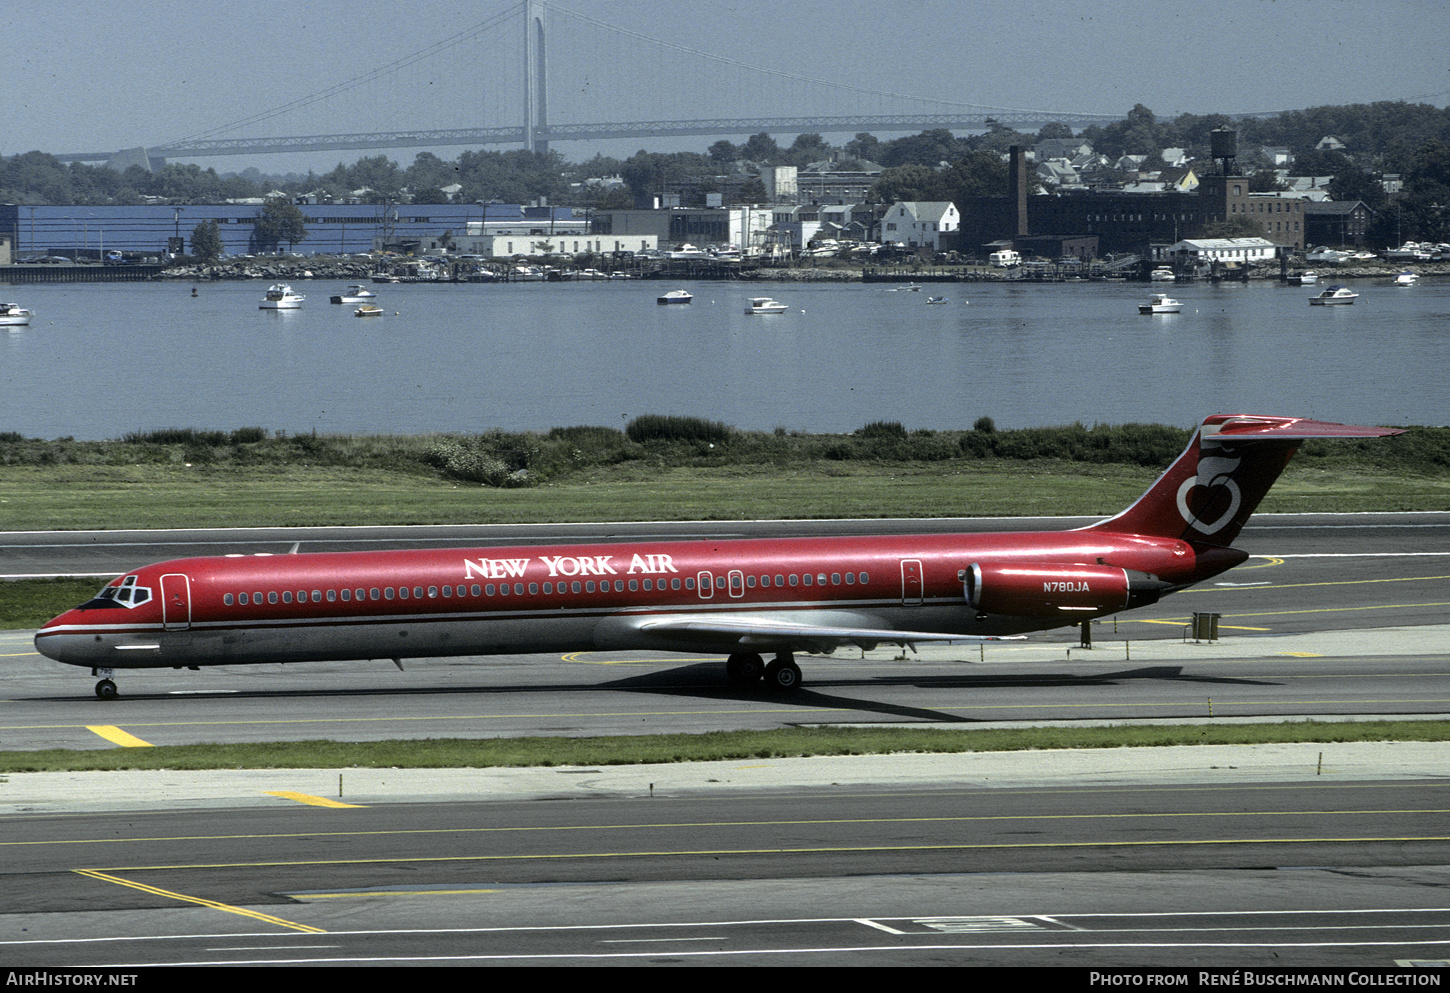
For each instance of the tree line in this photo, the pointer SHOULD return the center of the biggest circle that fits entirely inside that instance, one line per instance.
(1378, 139)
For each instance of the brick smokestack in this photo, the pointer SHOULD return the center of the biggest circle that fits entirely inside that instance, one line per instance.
(1017, 166)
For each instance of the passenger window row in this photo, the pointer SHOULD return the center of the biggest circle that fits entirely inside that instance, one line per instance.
(517, 589)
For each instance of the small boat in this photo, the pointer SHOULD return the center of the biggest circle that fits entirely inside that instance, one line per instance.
(13, 315)
(764, 305)
(1407, 279)
(1162, 275)
(1334, 295)
(1160, 303)
(1410, 252)
(356, 293)
(676, 296)
(936, 299)
(1306, 278)
(280, 297)
(368, 310)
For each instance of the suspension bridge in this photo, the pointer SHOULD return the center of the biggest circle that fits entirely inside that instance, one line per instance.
(499, 73)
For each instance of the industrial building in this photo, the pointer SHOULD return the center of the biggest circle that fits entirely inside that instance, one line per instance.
(333, 229)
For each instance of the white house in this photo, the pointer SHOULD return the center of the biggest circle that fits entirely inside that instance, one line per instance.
(919, 224)
(1226, 249)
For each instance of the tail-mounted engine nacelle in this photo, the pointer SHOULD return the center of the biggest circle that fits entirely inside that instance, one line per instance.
(1049, 589)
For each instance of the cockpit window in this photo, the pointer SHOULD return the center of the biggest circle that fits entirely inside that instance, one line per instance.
(125, 594)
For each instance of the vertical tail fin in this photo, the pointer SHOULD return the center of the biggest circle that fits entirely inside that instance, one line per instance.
(1209, 492)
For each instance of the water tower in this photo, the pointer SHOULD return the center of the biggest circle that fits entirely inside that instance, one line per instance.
(1223, 144)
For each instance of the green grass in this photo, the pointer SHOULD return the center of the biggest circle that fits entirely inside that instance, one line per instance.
(155, 496)
(711, 746)
(29, 603)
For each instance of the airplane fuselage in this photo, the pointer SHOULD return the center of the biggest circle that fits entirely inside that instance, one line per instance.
(669, 596)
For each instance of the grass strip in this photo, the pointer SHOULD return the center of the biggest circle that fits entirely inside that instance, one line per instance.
(460, 753)
(29, 603)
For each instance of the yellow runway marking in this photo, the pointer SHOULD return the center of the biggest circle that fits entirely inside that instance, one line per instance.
(357, 894)
(114, 734)
(1185, 622)
(228, 908)
(310, 800)
(1295, 586)
(579, 657)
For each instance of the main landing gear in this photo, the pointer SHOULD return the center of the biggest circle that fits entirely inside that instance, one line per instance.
(746, 669)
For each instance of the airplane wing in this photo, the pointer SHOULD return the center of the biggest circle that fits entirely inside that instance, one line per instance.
(764, 634)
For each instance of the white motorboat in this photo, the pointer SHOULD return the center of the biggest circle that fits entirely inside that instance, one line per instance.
(1410, 251)
(356, 293)
(1331, 295)
(1162, 275)
(675, 296)
(764, 305)
(1324, 255)
(936, 299)
(368, 310)
(13, 315)
(1160, 303)
(280, 297)
(1306, 278)
(1407, 279)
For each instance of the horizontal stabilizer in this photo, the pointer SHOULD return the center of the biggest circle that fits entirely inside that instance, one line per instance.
(1242, 427)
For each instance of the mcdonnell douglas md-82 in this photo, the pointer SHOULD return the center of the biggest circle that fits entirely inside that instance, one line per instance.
(742, 598)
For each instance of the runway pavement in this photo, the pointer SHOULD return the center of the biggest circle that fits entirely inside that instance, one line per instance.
(1311, 762)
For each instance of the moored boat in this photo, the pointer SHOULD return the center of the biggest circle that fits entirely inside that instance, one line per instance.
(1332, 295)
(1407, 279)
(368, 310)
(1306, 278)
(1162, 275)
(764, 305)
(279, 296)
(1410, 251)
(13, 315)
(1160, 303)
(675, 296)
(356, 293)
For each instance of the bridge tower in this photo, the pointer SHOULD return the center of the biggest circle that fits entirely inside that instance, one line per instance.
(536, 93)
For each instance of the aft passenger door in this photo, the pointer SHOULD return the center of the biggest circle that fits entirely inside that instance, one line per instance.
(911, 582)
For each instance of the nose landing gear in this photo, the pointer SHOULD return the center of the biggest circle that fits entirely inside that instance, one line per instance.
(106, 688)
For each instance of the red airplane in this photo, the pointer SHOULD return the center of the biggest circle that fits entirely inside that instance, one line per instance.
(738, 598)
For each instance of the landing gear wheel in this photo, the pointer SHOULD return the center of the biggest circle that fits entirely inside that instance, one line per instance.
(783, 675)
(744, 669)
(106, 690)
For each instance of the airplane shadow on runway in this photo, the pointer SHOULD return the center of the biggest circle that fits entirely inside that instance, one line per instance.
(828, 693)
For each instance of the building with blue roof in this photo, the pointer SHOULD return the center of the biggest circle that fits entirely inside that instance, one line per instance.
(332, 229)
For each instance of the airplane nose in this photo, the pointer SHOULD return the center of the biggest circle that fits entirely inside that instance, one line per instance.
(54, 641)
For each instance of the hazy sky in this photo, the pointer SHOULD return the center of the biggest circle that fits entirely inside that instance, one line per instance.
(97, 75)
